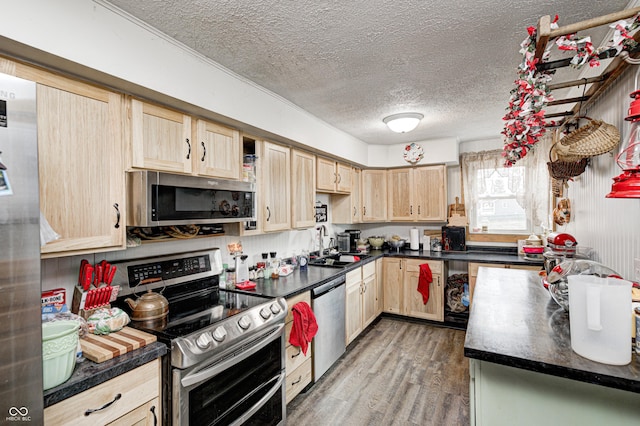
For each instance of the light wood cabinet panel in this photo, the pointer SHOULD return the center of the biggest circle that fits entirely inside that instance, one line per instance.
(303, 188)
(217, 150)
(399, 198)
(137, 388)
(81, 164)
(374, 195)
(347, 209)
(298, 365)
(417, 194)
(379, 288)
(160, 138)
(430, 193)
(297, 380)
(392, 276)
(414, 305)
(332, 176)
(276, 174)
(353, 311)
(148, 414)
(344, 177)
(369, 303)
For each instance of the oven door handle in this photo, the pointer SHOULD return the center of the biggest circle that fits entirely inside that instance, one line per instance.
(258, 405)
(215, 369)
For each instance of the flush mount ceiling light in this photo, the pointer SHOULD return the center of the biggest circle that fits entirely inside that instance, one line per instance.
(404, 122)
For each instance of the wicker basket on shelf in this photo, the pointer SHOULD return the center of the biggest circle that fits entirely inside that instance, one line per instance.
(561, 169)
(590, 140)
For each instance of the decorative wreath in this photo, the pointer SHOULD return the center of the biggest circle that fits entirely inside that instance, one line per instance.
(524, 121)
(413, 153)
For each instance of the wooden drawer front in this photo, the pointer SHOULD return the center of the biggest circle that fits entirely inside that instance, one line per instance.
(295, 357)
(354, 276)
(302, 297)
(136, 388)
(298, 379)
(148, 414)
(413, 265)
(368, 269)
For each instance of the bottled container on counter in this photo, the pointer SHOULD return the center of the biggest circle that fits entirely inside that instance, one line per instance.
(223, 277)
(231, 278)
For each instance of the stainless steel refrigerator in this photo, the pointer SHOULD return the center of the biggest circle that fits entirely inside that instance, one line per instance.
(21, 394)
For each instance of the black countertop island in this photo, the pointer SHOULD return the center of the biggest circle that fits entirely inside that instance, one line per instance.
(514, 322)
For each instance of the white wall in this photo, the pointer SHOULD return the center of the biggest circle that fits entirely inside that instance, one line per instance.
(436, 151)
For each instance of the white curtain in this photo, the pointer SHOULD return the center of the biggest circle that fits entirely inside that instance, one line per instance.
(534, 196)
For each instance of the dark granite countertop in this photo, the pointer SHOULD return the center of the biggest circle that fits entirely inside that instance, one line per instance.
(88, 374)
(514, 322)
(301, 281)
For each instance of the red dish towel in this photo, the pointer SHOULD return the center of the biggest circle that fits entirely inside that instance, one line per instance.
(424, 280)
(304, 326)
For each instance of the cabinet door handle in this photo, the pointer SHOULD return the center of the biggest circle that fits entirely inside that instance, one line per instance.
(400, 264)
(117, 207)
(107, 405)
(364, 210)
(418, 209)
(155, 418)
(299, 352)
(355, 211)
(189, 145)
(204, 151)
(335, 178)
(411, 210)
(339, 178)
(268, 213)
(297, 381)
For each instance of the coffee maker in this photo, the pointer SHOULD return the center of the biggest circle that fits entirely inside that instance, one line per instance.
(354, 236)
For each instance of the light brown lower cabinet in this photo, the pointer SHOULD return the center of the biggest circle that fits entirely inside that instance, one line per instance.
(134, 396)
(401, 294)
(298, 365)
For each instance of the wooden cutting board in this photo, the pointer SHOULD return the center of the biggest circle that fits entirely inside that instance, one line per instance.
(101, 348)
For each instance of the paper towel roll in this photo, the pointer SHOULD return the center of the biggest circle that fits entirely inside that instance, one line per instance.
(414, 239)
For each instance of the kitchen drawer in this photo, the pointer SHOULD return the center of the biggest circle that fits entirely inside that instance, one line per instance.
(136, 388)
(298, 379)
(302, 297)
(368, 269)
(145, 415)
(354, 276)
(295, 357)
(413, 265)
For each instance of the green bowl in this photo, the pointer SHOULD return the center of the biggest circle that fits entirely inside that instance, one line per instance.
(59, 347)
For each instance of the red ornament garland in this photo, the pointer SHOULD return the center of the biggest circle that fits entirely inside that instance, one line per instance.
(524, 120)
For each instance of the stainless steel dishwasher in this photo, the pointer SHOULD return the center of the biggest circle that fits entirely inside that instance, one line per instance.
(328, 304)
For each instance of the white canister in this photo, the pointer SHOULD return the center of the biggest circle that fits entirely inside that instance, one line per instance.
(414, 239)
(426, 243)
(600, 318)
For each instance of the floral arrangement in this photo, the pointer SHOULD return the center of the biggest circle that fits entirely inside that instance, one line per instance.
(524, 121)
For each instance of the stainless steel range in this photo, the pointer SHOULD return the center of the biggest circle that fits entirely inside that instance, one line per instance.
(226, 363)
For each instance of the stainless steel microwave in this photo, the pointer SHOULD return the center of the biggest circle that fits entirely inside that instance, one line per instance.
(165, 199)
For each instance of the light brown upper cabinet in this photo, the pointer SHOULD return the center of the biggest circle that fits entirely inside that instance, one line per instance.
(348, 208)
(303, 189)
(80, 162)
(417, 194)
(160, 138)
(276, 194)
(171, 141)
(217, 150)
(374, 195)
(332, 176)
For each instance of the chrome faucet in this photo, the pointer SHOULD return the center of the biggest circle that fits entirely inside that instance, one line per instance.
(323, 233)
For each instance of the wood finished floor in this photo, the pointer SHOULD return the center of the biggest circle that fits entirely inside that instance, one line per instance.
(396, 373)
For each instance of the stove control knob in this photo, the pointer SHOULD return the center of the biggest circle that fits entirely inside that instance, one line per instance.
(219, 334)
(244, 322)
(275, 308)
(203, 341)
(265, 313)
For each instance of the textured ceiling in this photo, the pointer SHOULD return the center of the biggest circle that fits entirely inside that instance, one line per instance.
(351, 63)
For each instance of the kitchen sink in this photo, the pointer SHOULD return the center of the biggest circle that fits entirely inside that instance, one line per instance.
(334, 261)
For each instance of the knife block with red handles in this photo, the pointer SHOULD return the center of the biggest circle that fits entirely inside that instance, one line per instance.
(94, 289)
